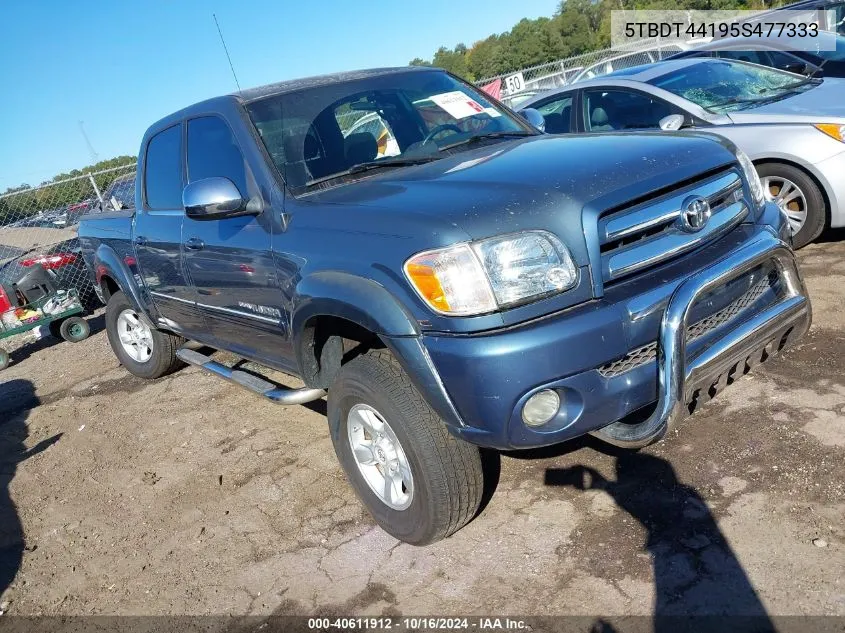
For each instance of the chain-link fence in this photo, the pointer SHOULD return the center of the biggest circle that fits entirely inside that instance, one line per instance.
(529, 81)
(38, 227)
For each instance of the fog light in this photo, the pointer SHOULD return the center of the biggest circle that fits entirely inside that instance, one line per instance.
(541, 407)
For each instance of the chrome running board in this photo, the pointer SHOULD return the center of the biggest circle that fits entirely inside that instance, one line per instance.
(269, 390)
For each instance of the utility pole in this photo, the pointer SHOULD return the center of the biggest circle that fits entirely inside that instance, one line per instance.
(95, 157)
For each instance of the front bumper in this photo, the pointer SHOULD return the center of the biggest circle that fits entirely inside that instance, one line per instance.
(489, 377)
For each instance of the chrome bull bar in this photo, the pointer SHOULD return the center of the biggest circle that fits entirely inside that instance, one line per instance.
(678, 380)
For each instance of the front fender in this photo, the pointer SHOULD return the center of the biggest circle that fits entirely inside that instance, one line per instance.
(107, 263)
(362, 301)
(370, 305)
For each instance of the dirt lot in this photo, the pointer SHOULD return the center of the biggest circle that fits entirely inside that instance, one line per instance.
(188, 495)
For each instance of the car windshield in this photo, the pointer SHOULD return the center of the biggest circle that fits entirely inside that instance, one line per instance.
(726, 86)
(329, 134)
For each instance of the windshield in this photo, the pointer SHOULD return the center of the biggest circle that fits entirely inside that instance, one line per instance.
(320, 134)
(725, 86)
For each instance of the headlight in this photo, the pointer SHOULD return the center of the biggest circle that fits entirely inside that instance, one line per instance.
(492, 274)
(832, 129)
(751, 176)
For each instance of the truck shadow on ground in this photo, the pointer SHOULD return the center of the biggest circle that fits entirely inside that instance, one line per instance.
(13, 433)
(696, 573)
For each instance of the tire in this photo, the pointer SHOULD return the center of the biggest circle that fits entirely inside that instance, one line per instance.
(74, 329)
(4, 359)
(446, 479)
(776, 178)
(162, 346)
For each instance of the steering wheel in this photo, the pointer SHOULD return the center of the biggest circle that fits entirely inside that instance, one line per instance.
(441, 128)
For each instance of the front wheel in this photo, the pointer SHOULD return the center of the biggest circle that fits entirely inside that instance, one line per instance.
(419, 482)
(798, 196)
(143, 350)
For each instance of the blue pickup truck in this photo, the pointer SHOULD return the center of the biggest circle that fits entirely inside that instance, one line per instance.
(450, 276)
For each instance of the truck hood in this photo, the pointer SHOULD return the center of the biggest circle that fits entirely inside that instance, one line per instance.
(823, 104)
(541, 182)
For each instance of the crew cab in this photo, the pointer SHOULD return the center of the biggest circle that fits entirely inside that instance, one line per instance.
(481, 284)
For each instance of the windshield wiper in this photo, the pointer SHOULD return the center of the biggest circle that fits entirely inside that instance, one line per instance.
(490, 135)
(389, 162)
(371, 165)
(797, 84)
(785, 91)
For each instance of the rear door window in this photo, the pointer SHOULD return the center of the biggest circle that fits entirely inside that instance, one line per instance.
(163, 170)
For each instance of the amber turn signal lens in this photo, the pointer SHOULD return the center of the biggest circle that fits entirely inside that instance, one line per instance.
(834, 130)
(428, 285)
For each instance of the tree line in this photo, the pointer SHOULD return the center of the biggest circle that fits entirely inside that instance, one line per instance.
(29, 201)
(577, 26)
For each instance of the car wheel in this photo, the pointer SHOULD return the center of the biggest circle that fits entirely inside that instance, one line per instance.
(798, 196)
(4, 359)
(141, 349)
(74, 329)
(418, 481)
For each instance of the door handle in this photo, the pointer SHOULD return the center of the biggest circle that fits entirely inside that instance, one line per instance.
(194, 244)
(140, 241)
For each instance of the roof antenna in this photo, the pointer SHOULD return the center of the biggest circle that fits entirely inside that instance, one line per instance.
(222, 41)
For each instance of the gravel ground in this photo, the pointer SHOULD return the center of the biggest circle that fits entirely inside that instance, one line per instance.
(188, 495)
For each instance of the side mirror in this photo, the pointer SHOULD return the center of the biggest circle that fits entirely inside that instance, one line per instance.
(534, 118)
(802, 68)
(672, 122)
(213, 199)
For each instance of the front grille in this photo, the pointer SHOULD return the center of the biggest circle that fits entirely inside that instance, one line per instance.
(648, 353)
(634, 239)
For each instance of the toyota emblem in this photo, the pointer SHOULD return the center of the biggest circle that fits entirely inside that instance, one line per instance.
(695, 213)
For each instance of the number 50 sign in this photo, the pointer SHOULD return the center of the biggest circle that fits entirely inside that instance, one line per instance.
(514, 83)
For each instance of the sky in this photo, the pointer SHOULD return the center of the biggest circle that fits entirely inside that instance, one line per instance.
(120, 65)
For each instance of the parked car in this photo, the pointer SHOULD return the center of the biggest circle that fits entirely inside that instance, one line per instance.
(488, 286)
(782, 53)
(792, 127)
(831, 12)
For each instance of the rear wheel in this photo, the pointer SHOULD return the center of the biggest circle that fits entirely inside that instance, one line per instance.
(143, 350)
(798, 196)
(418, 481)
